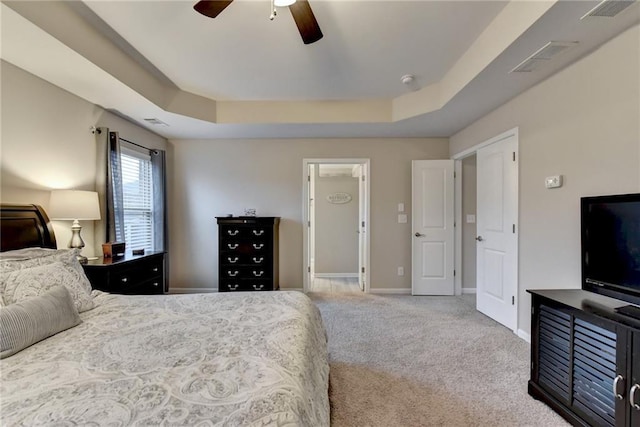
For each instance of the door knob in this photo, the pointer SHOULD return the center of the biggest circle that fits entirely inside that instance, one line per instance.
(419, 234)
(479, 239)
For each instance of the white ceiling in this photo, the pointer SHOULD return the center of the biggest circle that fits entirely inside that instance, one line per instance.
(242, 76)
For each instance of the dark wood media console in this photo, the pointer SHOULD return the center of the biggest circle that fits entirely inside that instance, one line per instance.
(585, 357)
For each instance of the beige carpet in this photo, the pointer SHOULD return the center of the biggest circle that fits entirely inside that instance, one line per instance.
(425, 361)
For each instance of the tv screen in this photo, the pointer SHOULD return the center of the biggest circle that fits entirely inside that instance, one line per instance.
(611, 246)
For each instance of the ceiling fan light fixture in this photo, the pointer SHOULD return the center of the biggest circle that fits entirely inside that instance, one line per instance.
(283, 3)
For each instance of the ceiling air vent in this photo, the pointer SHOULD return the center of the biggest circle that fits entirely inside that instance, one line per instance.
(154, 121)
(545, 53)
(608, 8)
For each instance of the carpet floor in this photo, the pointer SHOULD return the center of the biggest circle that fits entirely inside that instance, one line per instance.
(425, 361)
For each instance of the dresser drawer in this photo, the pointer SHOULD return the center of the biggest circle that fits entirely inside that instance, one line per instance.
(245, 285)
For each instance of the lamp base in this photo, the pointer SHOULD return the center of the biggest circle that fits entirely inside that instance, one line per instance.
(76, 240)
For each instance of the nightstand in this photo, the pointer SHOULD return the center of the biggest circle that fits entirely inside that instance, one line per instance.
(139, 274)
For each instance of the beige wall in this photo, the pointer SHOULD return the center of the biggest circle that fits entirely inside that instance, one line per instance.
(336, 225)
(582, 123)
(469, 243)
(216, 177)
(46, 144)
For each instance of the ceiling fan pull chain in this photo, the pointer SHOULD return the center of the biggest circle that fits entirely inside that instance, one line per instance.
(273, 11)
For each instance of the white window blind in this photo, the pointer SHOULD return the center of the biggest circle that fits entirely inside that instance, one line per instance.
(137, 190)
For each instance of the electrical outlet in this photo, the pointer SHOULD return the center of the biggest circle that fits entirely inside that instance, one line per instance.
(400, 271)
(402, 218)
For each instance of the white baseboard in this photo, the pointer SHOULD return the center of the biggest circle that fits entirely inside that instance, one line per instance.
(468, 290)
(213, 290)
(329, 275)
(192, 290)
(397, 291)
(524, 335)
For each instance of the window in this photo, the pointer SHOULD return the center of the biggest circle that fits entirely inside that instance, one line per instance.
(137, 192)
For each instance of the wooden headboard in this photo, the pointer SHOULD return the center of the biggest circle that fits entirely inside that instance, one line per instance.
(25, 226)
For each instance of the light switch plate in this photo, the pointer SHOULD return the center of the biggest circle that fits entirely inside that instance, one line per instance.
(402, 219)
(400, 207)
(553, 181)
(471, 219)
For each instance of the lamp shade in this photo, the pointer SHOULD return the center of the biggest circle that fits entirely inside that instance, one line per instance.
(74, 204)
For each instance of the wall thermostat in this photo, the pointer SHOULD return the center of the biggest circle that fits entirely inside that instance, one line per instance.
(553, 181)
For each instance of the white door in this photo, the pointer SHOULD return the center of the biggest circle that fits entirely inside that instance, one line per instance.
(362, 225)
(433, 227)
(497, 239)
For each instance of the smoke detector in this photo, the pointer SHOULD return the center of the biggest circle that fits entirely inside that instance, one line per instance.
(407, 79)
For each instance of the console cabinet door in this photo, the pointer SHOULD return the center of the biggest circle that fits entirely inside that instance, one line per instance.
(634, 406)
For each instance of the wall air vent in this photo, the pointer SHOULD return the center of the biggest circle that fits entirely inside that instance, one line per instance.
(608, 8)
(545, 53)
(154, 121)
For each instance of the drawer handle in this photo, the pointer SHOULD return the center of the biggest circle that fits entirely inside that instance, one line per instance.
(258, 288)
(125, 280)
(258, 260)
(233, 260)
(632, 397)
(232, 232)
(232, 287)
(258, 232)
(258, 245)
(155, 269)
(615, 387)
(232, 273)
(232, 246)
(155, 284)
(258, 273)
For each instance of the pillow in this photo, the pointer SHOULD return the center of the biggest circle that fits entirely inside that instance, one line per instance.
(31, 257)
(30, 282)
(25, 323)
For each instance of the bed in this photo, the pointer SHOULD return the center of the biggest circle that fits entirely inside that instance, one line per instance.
(241, 359)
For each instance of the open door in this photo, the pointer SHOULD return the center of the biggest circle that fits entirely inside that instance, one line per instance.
(433, 214)
(362, 226)
(497, 239)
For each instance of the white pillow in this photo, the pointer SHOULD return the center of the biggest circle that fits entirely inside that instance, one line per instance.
(26, 283)
(31, 257)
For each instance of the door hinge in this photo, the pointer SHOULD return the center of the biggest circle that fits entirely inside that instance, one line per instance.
(513, 300)
(514, 156)
(363, 269)
(454, 273)
(309, 178)
(308, 269)
(362, 177)
(362, 224)
(533, 310)
(308, 223)
(514, 229)
(454, 174)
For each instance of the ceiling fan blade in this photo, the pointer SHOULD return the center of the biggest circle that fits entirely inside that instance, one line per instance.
(211, 8)
(306, 21)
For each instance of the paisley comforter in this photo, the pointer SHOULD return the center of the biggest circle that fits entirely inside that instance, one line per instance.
(241, 359)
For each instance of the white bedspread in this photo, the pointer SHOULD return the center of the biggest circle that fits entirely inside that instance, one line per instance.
(241, 359)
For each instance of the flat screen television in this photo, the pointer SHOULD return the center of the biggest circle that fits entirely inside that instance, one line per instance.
(611, 246)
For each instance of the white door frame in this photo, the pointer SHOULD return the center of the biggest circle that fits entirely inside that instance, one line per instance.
(305, 216)
(458, 210)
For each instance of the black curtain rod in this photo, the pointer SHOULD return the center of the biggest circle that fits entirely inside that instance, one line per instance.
(153, 150)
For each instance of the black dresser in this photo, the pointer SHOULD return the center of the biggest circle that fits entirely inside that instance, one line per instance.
(131, 274)
(248, 253)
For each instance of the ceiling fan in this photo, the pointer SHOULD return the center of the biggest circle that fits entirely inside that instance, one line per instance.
(300, 9)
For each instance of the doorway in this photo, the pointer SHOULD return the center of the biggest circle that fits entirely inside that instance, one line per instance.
(335, 223)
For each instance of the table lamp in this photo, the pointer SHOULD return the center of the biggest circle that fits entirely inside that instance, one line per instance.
(74, 205)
